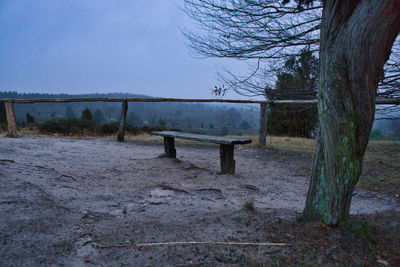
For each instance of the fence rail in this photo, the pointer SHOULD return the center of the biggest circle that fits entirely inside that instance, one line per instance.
(12, 126)
(379, 101)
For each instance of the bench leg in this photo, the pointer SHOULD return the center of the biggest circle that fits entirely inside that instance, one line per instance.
(226, 157)
(169, 146)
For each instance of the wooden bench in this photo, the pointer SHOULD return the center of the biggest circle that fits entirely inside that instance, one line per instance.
(226, 146)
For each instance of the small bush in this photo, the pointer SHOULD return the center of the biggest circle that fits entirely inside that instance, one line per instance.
(74, 126)
(87, 122)
(377, 135)
(248, 205)
(176, 129)
(29, 118)
(3, 116)
(162, 123)
(224, 131)
(86, 115)
(3, 126)
(361, 230)
(145, 129)
(109, 128)
(62, 126)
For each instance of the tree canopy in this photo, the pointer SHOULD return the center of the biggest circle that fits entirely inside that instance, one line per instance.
(266, 33)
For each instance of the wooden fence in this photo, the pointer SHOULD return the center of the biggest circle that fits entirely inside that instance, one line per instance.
(12, 125)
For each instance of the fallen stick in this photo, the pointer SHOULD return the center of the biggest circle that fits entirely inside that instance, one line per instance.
(168, 187)
(191, 243)
(67, 176)
(7, 160)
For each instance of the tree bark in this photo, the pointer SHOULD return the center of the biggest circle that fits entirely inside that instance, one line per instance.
(356, 41)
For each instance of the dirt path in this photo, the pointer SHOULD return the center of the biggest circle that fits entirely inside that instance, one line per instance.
(62, 197)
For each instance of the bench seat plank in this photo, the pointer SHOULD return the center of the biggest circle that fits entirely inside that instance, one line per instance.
(204, 138)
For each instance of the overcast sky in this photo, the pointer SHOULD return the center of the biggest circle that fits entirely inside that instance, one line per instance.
(101, 46)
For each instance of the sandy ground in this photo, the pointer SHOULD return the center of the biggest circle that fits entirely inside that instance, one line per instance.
(61, 198)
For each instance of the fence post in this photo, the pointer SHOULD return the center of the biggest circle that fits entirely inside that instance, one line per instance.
(262, 135)
(11, 121)
(122, 125)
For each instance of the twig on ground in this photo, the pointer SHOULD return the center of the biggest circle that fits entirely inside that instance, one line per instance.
(66, 186)
(193, 243)
(168, 187)
(8, 202)
(68, 176)
(42, 167)
(210, 189)
(203, 263)
(194, 167)
(7, 160)
(139, 169)
(156, 157)
(251, 187)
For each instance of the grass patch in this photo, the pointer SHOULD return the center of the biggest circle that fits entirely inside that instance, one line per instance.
(360, 229)
(381, 167)
(295, 144)
(249, 206)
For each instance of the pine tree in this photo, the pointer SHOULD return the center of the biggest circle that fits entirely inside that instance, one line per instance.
(296, 80)
(86, 115)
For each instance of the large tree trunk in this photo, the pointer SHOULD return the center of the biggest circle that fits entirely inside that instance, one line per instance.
(356, 41)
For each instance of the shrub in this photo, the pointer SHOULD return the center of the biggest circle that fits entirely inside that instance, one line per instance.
(87, 121)
(29, 118)
(162, 124)
(176, 129)
(98, 115)
(62, 126)
(69, 113)
(86, 115)
(224, 131)
(245, 125)
(3, 117)
(109, 128)
(3, 126)
(377, 135)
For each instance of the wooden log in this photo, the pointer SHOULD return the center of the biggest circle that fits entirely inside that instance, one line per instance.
(106, 99)
(262, 134)
(169, 147)
(11, 120)
(227, 159)
(379, 101)
(122, 125)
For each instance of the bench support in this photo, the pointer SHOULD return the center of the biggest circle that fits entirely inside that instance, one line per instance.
(169, 146)
(227, 160)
